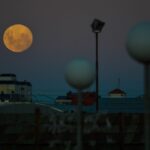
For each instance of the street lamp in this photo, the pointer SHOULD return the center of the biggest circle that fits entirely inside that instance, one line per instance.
(80, 75)
(138, 46)
(97, 26)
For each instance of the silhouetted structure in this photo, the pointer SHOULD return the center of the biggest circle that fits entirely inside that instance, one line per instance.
(12, 90)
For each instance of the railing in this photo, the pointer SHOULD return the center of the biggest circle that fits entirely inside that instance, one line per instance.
(58, 131)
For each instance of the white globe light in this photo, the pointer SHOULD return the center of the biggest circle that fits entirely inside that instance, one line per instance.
(138, 42)
(80, 74)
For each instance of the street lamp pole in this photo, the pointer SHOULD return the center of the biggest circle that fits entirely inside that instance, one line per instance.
(147, 105)
(97, 26)
(97, 73)
(79, 122)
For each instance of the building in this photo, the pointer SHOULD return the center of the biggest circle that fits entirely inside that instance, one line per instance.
(88, 98)
(12, 90)
(117, 93)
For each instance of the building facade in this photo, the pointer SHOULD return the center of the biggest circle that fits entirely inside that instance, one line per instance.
(117, 93)
(12, 90)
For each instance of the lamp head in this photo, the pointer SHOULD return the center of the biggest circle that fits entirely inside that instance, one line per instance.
(97, 25)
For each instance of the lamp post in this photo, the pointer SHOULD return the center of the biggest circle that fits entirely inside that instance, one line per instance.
(97, 26)
(80, 75)
(138, 46)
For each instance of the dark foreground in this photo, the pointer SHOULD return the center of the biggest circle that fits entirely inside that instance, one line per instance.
(57, 131)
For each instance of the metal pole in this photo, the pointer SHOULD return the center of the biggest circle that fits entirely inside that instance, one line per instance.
(79, 123)
(97, 68)
(147, 105)
(37, 127)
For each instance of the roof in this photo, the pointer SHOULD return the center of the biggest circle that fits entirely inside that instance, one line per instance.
(117, 91)
(7, 75)
(16, 82)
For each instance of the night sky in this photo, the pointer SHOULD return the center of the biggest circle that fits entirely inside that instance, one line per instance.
(61, 31)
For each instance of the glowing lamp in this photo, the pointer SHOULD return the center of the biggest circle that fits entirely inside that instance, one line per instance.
(138, 42)
(80, 74)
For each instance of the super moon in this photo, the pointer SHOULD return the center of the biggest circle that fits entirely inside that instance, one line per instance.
(17, 38)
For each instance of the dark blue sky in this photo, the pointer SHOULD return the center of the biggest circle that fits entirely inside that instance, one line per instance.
(61, 30)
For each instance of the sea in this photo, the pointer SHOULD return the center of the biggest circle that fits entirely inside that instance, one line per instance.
(106, 105)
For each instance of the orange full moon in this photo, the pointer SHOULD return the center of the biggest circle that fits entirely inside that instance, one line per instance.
(17, 38)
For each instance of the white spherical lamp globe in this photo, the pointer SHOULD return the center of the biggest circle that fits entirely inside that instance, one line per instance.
(80, 74)
(138, 42)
